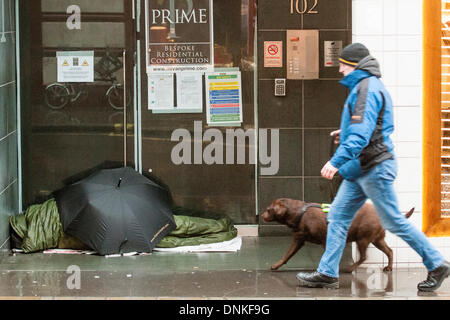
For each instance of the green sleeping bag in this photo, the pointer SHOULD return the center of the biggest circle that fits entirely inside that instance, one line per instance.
(40, 229)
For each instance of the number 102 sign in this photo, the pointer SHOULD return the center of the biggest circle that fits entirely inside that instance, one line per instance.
(304, 6)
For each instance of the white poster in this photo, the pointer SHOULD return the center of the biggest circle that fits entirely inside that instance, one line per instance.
(75, 66)
(189, 90)
(160, 91)
(333, 50)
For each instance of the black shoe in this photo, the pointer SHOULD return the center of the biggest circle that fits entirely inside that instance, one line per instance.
(317, 280)
(435, 278)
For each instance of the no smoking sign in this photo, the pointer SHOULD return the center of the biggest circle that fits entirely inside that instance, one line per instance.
(272, 49)
(273, 54)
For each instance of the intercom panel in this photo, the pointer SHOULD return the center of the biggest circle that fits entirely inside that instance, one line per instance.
(280, 87)
(302, 54)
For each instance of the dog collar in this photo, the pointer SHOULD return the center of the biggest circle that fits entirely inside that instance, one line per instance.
(296, 223)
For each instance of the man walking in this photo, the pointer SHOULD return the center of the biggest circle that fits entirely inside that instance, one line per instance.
(366, 160)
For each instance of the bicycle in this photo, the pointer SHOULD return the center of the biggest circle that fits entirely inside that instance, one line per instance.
(58, 95)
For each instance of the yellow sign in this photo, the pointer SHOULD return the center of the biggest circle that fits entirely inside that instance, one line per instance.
(85, 64)
(65, 64)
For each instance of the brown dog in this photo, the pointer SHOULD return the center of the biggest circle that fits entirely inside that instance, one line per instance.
(309, 223)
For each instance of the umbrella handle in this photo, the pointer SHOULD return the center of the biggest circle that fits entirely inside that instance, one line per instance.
(124, 241)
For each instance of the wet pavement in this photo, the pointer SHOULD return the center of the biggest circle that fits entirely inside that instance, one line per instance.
(241, 275)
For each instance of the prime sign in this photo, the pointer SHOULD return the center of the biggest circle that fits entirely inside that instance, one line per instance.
(180, 35)
(163, 16)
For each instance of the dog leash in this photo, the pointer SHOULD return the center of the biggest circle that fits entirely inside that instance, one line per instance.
(326, 207)
(335, 182)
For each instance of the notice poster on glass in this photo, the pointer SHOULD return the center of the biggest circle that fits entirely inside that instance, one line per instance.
(75, 66)
(189, 90)
(160, 91)
(224, 98)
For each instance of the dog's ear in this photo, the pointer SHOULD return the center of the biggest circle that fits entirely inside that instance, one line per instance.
(279, 209)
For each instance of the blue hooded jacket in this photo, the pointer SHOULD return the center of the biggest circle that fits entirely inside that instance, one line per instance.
(367, 122)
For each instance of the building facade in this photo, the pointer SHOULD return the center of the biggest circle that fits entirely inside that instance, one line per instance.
(169, 65)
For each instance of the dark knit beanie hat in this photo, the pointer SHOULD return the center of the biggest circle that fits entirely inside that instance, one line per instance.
(353, 54)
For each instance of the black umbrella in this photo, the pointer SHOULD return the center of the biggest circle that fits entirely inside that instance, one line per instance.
(116, 211)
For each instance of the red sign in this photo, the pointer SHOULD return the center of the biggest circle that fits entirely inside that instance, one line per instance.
(272, 50)
(273, 54)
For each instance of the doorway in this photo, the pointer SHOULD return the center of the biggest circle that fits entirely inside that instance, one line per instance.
(70, 127)
(74, 120)
(219, 188)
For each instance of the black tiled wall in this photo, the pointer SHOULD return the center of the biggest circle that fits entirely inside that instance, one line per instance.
(310, 110)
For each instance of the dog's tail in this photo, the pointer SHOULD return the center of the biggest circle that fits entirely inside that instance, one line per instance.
(409, 213)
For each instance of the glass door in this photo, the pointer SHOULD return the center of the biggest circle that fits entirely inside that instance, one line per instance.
(78, 86)
(187, 47)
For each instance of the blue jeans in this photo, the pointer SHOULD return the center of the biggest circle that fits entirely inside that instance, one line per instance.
(377, 185)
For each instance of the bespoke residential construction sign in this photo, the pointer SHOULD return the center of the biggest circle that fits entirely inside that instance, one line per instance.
(179, 35)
